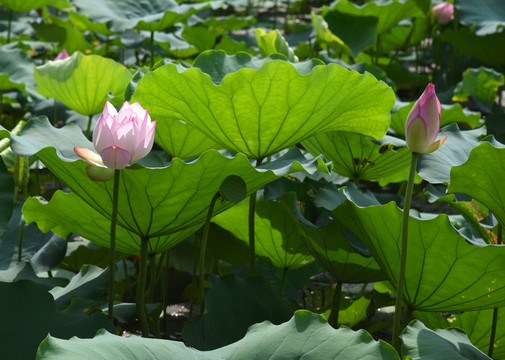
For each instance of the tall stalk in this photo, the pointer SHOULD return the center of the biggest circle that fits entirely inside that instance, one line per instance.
(88, 128)
(9, 24)
(152, 48)
(252, 212)
(141, 285)
(495, 310)
(112, 260)
(335, 305)
(403, 254)
(283, 282)
(203, 247)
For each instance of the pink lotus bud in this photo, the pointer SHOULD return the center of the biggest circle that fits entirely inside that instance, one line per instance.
(423, 123)
(62, 55)
(443, 12)
(120, 138)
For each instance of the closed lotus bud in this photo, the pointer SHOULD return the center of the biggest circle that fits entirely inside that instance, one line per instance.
(443, 12)
(423, 123)
(120, 138)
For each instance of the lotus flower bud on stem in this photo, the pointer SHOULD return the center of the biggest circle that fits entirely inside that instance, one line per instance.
(423, 123)
(443, 12)
(120, 138)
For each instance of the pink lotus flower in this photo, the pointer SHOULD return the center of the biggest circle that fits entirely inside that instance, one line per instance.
(62, 55)
(423, 123)
(443, 12)
(120, 138)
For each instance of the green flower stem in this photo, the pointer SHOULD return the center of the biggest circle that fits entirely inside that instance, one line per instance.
(335, 305)
(403, 254)
(141, 285)
(152, 49)
(252, 211)
(9, 23)
(495, 310)
(20, 240)
(283, 281)
(112, 260)
(205, 237)
(193, 282)
(88, 128)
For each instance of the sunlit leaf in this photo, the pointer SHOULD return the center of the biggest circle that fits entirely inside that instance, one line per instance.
(248, 114)
(82, 82)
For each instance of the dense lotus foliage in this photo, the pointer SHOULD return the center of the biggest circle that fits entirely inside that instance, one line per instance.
(265, 179)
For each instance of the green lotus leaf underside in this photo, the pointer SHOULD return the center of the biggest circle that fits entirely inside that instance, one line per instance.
(482, 177)
(153, 201)
(83, 82)
(306, 336)
(260, 112)
(444, 272)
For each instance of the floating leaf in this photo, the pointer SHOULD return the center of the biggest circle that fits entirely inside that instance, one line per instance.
(248, 114)
(444, 272)
(479, 86)
(487, 16)
(421, 343)
(21, 338)
(306, 336)
(16, 71)
(25, 5)
(82, 82)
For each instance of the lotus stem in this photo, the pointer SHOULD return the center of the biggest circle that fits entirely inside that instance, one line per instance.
(252, 211)
(203, 248)
(283, 282)
(403, 254)
(9, 23)
(112, 260)
(495, 310)
(152, 49)
(141, 285)
(335, 305)
(88, 129)
(20, 240)
(193, 282)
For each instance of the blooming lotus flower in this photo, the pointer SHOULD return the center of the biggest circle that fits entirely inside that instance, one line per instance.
(120, 138)
(423, 123)
(443, 12)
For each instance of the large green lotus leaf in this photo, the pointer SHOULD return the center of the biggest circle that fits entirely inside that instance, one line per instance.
(357, 31)
(82, 82)
(450, 114)
(435, 167)
(482, 177)
(25, 5)
(153, 201)
(357, 157)
(67, 213)
(261, 112)
(83, 23)
(421, 343)
(476, 324)
(404, 35)
(16, 71)
(306, 336)
(31, 315)
(332, 250)
(232, 305)
(487, 16)
(389, 13)
(481, 85)
(155, 15)
(482, 48)
(444, 272)
(278, 239)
